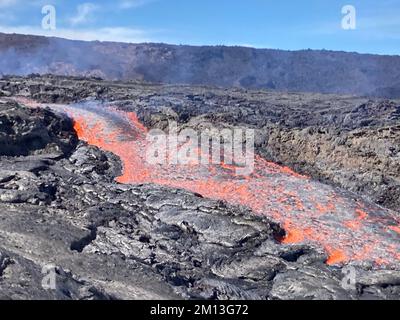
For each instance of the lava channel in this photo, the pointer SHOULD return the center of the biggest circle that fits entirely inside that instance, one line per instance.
(350, 231)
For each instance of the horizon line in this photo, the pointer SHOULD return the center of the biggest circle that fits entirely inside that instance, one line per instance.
(199, 45)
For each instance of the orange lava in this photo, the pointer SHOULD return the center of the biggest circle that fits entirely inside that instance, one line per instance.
(395, 229)
(335, 256)
(293, 235)
(310, 211)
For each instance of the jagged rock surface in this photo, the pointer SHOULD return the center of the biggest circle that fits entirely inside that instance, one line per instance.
(61, 206)
(353, 143)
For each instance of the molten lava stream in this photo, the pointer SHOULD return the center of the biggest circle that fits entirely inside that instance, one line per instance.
(309, 211)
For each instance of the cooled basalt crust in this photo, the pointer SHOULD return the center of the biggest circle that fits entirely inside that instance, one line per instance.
(60, 205)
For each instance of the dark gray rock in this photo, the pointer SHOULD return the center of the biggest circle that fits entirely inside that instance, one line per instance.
(59, 205)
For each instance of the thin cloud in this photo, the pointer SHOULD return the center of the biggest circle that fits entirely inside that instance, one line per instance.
(130, 4)
(20, 3)
(84, 14)
(117, 34)
(7, 3)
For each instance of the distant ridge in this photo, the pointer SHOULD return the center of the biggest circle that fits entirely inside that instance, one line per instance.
(305, 71)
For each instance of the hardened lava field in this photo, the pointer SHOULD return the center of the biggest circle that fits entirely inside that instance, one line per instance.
(350, 230)
(117, 227)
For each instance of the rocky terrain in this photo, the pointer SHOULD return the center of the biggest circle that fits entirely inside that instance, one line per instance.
(350, 142)
(302, 71)
(60, 204)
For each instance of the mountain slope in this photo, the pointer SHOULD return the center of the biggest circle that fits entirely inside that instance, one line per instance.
(305, 71)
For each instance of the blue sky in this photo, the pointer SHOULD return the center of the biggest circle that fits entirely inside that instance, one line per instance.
(283, 24)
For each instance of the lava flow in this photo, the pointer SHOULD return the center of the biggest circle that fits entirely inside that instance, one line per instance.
(310, 212)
